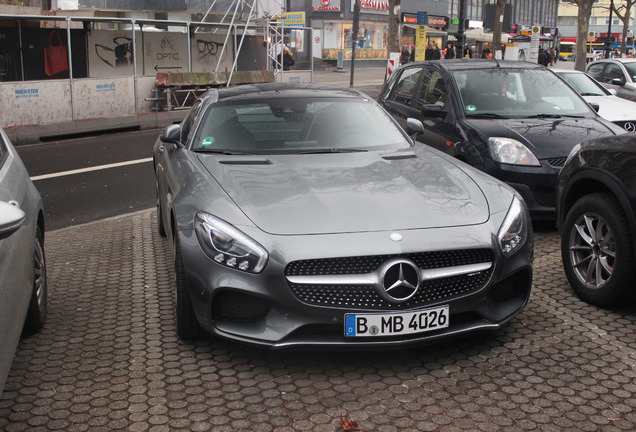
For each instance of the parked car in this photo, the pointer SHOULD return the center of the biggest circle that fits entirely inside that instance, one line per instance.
(23, 291)
(619, 111)
(303, 215)
(597, 204)
(617, 73)
(514, 120)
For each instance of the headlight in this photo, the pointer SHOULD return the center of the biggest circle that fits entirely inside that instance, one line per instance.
(510, 151)
(514, 230)
(227, 245)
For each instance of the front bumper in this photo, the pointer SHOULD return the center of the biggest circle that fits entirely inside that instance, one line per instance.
(263, 310)
(536, 185)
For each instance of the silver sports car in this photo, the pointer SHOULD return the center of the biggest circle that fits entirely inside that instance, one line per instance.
(303, 215)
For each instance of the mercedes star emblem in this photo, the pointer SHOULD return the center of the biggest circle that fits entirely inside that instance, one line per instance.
(629, 127)
(396, 237)
(400, 280)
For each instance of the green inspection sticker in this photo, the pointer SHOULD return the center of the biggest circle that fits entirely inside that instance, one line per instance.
(207, 141)
(471, 108)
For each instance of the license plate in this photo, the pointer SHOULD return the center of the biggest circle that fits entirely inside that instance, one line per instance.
(357, 325)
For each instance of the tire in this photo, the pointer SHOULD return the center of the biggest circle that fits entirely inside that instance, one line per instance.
(597, 252)
(188, 327)
(160, 226)
(36, 314)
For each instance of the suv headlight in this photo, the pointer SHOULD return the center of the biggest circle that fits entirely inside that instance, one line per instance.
(514, 230)
(512, 152)
(227, 245)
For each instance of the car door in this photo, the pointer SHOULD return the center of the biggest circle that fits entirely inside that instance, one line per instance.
(434, 110)
(166, 175)
(399, 99)
(16, 256)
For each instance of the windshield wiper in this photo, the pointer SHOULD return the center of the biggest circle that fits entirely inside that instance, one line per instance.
(591, 94)
(545, 116)
(222, 151)
(331, 150)
(487, 116)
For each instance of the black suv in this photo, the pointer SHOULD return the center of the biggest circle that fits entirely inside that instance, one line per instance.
(596, 207)
(514, 120)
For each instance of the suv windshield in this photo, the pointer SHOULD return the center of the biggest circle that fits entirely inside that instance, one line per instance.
(297, 125)
(517, 93)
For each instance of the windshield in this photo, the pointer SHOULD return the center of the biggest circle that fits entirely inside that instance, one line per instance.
(583, 84)
(297, 125)
(631, 69)
(517, 93)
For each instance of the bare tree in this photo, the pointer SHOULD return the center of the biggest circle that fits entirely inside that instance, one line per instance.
(583, 25)
(497, 27)
(623, 12)
(393, 43)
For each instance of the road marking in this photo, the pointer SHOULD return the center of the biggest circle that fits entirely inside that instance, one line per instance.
(89, 169)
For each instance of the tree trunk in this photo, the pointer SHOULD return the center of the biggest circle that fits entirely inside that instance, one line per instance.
(497, 27)
(393, 42)
(585, 10)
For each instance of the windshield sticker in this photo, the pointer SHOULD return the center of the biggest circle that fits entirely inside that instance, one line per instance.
(471, 108)
(207, 141)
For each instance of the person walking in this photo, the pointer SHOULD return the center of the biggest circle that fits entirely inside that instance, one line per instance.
(287, 59)
(450, 51)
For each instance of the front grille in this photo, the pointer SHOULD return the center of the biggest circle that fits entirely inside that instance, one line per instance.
(545, 198)
(366, 297)
(558, 162)
(367, 264)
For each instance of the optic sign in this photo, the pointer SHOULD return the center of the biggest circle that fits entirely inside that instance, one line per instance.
(325, 5)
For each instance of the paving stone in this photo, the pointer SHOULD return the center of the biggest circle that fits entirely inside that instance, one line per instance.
(109, 359)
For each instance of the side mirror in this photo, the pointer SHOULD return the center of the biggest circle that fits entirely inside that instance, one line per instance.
(433, 110)
(595, 106)
(618, 81)
(413, 126)
(171, 135)
(11, 219)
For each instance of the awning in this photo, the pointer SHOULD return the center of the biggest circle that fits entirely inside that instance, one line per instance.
(429, 31)
(479, 34)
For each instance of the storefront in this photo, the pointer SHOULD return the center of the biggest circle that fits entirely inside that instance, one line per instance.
(435, 30)
(333, 21)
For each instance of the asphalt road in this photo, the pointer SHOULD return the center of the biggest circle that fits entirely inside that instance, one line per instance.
(109, 175)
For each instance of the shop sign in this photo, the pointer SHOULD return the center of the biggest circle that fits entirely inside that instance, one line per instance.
(432, 20)
(294, 19)
(372, 6)
(325, 5)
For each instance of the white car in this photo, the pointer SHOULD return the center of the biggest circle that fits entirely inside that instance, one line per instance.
(611, 107)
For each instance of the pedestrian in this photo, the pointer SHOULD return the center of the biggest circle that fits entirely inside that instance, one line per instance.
(405, 57)
(553, 55)
(544, 57)
(287, 59)
(412, 58)
(485, 53)
(428, 54)
(450, 51)
(468, 53)
(436, 52)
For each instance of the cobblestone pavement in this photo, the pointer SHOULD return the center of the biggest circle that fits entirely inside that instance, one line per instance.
(109, 359)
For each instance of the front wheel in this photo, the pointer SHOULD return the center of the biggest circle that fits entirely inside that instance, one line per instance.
(597, 252)
(188, 327)
(36, 315)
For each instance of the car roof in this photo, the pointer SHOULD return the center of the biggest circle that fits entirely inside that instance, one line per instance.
(617, 60)
(281, 90)
(459, 64)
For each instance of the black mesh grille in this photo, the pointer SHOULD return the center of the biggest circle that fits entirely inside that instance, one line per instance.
(545, 198)
(557, 162)
(232, 306)
(366, 297)
(368, 264)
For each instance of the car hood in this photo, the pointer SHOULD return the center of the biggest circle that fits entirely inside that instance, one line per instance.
(547, 138)
(613, 108)
(352, 192)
